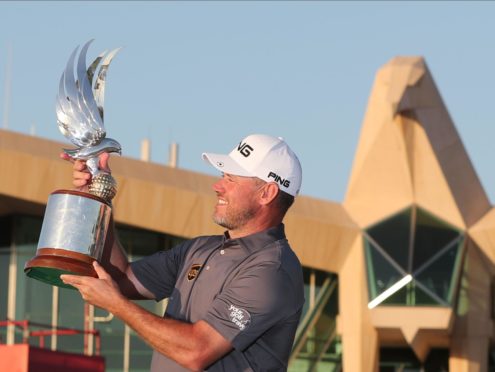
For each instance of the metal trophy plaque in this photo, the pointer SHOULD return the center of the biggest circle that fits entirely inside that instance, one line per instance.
(75, 223)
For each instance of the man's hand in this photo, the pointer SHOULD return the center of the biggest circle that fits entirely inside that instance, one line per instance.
(102, 291)
(81, 178)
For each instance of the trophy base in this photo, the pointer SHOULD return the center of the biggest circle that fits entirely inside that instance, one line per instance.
(49, 264)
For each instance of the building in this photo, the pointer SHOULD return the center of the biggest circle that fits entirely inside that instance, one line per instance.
(398, 275)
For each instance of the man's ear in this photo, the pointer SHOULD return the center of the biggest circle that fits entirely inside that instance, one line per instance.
(269, 193)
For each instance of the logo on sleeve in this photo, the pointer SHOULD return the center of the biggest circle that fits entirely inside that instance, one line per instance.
(240, 317)
(193, 272)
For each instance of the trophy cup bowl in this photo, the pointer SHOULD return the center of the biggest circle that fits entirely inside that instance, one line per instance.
(72, 236)
(75, 223)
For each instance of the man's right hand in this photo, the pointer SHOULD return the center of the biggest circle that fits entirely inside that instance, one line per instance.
(81, 178)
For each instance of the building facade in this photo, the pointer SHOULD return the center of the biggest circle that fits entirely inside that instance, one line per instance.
(399, 275)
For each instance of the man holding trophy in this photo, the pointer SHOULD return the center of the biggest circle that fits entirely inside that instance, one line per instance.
(235, 300)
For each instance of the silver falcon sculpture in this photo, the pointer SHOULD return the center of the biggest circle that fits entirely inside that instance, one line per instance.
(79, 109)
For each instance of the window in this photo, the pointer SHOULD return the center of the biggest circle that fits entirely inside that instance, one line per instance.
(413, 258)
(317, 346)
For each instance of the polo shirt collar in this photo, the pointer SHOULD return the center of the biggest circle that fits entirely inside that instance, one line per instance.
(259, 240)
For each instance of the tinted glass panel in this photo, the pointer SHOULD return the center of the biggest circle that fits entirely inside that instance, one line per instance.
(71, 315)
(33, 298)
(317, 337)
(420, 297)
(140, 355)
(393, 236)
(383, 275)
(398, 298)
(112, 344)
(437, 276)
(410, 295)
(306, 277)
(431, 236)
(5, 237)
(321, 350)
(143, 242)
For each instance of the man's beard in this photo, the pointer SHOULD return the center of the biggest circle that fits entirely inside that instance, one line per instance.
(233, 220)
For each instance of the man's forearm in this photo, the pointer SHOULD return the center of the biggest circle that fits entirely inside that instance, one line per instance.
(116, 263)
(194, 346)
(191, 345)
(114, 258)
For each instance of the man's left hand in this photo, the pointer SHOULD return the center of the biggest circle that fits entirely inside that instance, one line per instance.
(102, 291)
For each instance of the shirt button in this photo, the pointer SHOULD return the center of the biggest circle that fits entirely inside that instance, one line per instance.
(222, 252)
(207, 267)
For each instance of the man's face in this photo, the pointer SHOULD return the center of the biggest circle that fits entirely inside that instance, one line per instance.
(237, 201)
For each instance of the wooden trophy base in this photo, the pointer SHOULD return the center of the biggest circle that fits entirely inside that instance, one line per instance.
(50, 263)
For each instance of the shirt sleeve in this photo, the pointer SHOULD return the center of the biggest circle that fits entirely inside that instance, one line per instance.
(258, 297)
(158, 272)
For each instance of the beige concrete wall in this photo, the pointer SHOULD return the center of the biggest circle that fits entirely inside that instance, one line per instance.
(159, 198)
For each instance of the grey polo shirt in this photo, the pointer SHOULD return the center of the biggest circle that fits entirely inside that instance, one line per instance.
(251, 290)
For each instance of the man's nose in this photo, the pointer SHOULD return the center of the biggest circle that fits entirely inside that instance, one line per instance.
(218, 186)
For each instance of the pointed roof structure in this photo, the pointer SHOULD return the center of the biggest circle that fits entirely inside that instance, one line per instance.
(409, 152)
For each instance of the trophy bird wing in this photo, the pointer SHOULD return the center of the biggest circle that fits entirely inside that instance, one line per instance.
(77, 113)
(79, 106)
(99, 87)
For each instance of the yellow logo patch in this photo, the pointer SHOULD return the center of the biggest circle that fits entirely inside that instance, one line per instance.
(193, 272)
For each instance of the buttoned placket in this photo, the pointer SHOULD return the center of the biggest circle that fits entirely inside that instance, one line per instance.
(222, 249)
(212, 256)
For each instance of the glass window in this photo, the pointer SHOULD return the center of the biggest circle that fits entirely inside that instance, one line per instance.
(5, 247)
(410, 295)
(437, 276)
(381, 273)
(319, 347)
(140, 243)
(33, 298)
(417, 243)
(431, 236)
(71, 315)
(394, 236)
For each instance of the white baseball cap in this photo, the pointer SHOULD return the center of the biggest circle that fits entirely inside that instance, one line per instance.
(266, 157)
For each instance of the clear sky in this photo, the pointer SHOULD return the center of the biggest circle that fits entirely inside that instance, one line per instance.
(206, 74)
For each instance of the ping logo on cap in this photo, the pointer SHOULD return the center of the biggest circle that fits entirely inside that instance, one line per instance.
(244, 149)
(278, 179)
(265, 157)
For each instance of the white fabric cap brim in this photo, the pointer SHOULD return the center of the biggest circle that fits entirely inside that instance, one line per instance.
(225, 164)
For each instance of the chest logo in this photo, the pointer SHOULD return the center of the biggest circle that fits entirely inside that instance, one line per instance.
(193, 272)
(240, 317)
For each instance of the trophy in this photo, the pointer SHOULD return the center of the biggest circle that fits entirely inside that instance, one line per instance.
(75, 223)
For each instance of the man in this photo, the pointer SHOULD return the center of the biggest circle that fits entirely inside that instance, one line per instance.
(235, 300)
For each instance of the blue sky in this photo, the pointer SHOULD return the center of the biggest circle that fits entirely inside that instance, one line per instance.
(206, 74)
